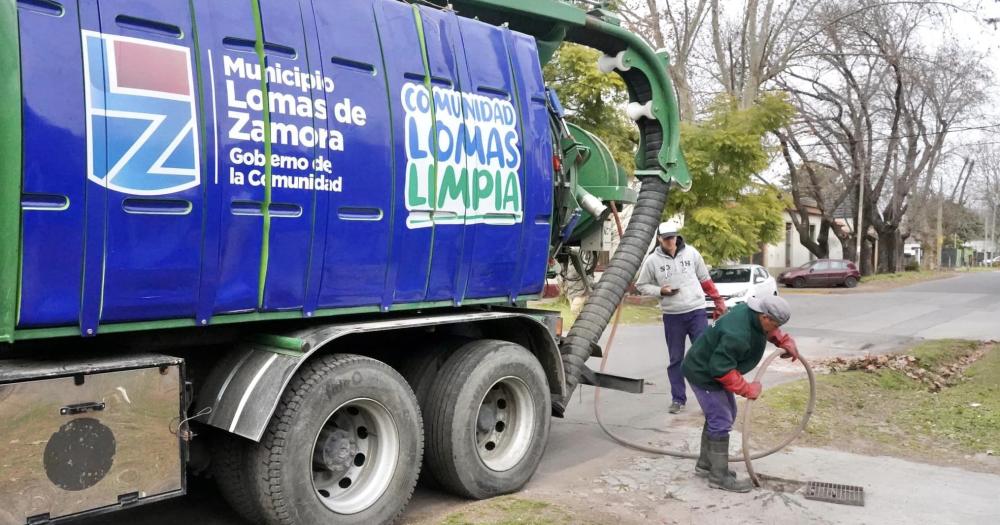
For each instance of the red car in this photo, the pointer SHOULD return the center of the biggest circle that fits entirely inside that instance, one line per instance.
(822, 272)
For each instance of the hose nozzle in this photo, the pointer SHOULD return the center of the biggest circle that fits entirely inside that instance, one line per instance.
(591, 204)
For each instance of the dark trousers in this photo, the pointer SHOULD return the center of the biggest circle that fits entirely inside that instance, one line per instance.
(678, 328)
(719, 407)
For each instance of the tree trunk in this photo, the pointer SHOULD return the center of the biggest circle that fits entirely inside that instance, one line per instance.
(682, 88)
(890, 251)
(847, 245)
(867, 264)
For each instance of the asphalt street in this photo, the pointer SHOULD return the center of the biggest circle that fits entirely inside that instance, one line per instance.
(825, 325)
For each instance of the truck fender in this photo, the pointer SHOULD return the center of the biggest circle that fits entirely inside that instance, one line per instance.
(242, 391)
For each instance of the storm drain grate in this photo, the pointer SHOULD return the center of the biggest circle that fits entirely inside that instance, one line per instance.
(835, 493)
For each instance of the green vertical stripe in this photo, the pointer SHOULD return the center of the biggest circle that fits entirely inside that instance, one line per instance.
(434, 147)
(266, 207)
(10, 182)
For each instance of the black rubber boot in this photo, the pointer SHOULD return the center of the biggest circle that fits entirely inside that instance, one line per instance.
(703, 466)
(720, 477)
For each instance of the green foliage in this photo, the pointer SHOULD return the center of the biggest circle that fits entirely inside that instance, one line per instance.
(593, 100)
(962, 222)
(727, 214)
(736, 228)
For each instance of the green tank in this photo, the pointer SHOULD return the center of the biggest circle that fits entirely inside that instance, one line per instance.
(600, 176)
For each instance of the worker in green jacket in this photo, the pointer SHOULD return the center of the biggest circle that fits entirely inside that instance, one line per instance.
(714, 367)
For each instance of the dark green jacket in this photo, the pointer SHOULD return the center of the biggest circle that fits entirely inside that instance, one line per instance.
(736, 341)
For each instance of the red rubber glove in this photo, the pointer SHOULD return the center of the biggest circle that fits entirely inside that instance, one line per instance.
(734, 382)
(784, 342)
(720, 304)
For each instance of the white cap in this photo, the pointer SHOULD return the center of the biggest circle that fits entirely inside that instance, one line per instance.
(670, 228)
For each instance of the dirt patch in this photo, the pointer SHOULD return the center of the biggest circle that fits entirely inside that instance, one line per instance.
(510, 510)
(937, 403)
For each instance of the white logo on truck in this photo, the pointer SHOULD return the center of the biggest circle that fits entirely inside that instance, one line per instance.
(476, 145)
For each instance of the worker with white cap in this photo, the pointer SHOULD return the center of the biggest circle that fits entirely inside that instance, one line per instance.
(676, 273)
(715, 366)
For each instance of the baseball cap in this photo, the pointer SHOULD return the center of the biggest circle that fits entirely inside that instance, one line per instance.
(772, 306)
(669, 228)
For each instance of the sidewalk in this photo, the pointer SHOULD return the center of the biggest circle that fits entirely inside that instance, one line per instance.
(665, 490)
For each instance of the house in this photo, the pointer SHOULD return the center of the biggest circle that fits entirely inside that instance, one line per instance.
(789, 252)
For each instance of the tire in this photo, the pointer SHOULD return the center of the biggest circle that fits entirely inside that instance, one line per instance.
(368, 418)
(487, 419)
(850, 282)
(229, 469)
(798, 282)
(420, 369)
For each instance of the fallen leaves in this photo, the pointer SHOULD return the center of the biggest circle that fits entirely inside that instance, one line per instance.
(934, 378)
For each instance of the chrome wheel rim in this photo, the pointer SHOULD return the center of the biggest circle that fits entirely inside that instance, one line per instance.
(354, 456)
(505, 424)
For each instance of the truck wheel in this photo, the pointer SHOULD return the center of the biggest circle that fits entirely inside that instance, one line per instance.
(420, 367)
(343, 446)
(229, 469)
(487, 419)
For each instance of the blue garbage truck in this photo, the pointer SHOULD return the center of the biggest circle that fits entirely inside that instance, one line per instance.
(289, 245)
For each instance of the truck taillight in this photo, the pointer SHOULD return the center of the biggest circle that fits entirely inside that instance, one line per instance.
(559, 326)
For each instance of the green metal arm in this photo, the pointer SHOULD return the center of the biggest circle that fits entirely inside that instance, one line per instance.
(551, 22)
(10, 153)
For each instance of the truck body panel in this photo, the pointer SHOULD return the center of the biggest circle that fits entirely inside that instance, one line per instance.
(199, 176)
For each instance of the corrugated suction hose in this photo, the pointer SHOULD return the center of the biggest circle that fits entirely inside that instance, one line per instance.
(610, 290)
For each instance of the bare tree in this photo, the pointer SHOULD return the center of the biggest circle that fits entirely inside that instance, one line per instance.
(878, 108)
(755, 48)
(674, 26)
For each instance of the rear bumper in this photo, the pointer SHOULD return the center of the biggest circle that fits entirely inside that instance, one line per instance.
(730, 302)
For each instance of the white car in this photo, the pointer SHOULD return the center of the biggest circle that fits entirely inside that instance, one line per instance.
(739, 282)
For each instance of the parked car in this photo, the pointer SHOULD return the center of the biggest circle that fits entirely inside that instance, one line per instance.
(822, 272)
(739, 282)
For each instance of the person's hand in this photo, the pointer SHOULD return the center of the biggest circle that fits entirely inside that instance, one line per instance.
(786, 343)
(666, 290)
(753, 390)
(720, 308)
(734, 382)
(791, 351)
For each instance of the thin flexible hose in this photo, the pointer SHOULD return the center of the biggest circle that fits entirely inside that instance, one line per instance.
(747, 457)
(791, 437)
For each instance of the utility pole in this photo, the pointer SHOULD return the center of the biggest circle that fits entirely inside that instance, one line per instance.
(993, 231)
(939, 238)
(986, 237)
(989, 247)
(858, 225)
